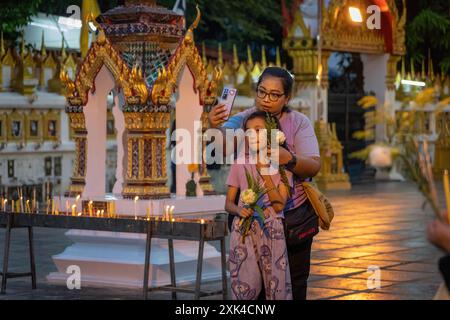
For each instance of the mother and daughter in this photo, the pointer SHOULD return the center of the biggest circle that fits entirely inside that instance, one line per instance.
(272, 259)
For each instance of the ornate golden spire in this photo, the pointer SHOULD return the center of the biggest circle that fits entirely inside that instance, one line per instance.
(43, 49)
(2, 46)
(278, 59)
(235, 58)
(220, 55)
(430, 66)
(63, 51)
(263, 57)
(423, 75)
(250, 63)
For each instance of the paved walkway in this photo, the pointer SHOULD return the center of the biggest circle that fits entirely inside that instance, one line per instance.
(379, 225)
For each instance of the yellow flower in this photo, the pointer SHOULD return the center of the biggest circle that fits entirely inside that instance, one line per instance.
(424, 97)
(368, 101)
(248, 197)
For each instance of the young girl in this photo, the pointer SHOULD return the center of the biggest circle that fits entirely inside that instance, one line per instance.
(260, 258)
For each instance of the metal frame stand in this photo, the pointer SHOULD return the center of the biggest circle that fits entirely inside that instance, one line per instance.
(10, 275)
(198, 293)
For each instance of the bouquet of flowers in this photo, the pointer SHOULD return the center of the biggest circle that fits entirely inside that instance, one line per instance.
(272, 124)
(252, 199)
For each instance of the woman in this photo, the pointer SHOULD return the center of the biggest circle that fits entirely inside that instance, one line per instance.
(301, 157)
(258, 260)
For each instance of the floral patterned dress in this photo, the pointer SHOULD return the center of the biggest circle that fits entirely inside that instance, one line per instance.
(262, 259)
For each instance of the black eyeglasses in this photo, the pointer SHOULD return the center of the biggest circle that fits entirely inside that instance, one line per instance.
(274, 97)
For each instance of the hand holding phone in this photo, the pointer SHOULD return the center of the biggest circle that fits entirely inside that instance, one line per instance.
(228, 98)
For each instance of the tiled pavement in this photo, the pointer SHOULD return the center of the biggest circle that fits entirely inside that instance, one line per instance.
(379, 225)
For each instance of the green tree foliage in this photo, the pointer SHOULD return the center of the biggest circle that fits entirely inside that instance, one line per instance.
(428, 30)
(14, 14)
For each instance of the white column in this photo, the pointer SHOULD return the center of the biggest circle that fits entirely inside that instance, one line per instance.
(95, 115)
(375, 71)
(188, 111)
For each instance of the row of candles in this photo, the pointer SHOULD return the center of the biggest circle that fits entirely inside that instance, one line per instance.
(54, 208)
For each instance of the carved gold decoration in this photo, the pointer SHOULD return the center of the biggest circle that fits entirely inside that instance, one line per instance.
(186, 54)
(391, 71)
(341, 34)
(331, 175)
(103, 53)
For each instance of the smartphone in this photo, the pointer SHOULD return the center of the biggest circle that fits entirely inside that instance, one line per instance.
(228, 98)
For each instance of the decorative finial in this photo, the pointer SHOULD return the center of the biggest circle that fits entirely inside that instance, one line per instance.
(43, 49)
(63, 50)
(278, 58)
(190, 33)
(2, 46)
(430, 66)
(249, 57)
(220, 55)
(235, 58)
(423, 75)
(263, 57)
(403, 68)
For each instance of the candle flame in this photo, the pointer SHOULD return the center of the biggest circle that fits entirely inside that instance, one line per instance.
(136, 198)
(202, 221)
(77, 198)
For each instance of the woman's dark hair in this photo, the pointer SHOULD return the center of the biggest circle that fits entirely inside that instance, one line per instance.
(282, 74)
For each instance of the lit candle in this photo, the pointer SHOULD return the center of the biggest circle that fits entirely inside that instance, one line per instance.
(172, 209)
(57, 208)
(53, 207)
(74, 210)
(136, 199)
(21, 204)
(12, 206)
(202, 221)
(37, 206)
(80, 214)
(34, 200)
(447, 193)
(166, 215)
(77, 199)
(5, 202)
(91, 208)
(67, 206)
(18, 206)
(27, 207)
